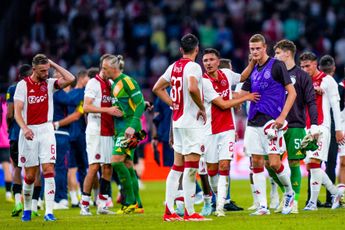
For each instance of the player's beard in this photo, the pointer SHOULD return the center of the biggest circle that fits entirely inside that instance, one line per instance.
(42, 78)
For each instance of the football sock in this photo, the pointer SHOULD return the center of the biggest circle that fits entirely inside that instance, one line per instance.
(28, 189)
(135, 184)
(328, 183)
(104, 191)
(17, 193)
(252, 188)
(259, 180)
(74, 197)
(126, 181)
(213, 179)
(222, 188)
(283, 174)
(315, 183)
(8, 185)
(188, 184)
(172, 184)
(49, 192)
(228, 196)
(296, 179)
(35, 196)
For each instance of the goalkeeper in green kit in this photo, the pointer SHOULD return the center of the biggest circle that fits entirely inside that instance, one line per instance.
(126, 94)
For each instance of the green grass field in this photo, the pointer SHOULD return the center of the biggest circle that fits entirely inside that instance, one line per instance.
(153, 197)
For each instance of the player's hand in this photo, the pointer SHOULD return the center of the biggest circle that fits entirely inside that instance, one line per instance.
(279, 122)
(129, 132)
(115, 111)
(28, 134)
(52, 64)
(339, 136)
(202, 114)
(253, 97)
(318, 90)
(148, 106)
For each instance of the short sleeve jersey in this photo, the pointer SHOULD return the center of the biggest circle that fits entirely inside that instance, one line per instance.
(14, 127)
(219, 120)
(38, 100)
(99, 123)
(184, 108)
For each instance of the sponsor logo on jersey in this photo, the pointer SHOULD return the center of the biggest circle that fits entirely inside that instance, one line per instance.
(224, 93)
(37, 99)
(177, 69)
(106, 99)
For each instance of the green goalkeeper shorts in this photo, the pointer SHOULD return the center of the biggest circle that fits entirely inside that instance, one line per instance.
(293, 138)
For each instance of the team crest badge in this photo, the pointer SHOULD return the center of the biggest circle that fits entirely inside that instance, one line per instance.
(98, 156)
(223, 82)
(202, 148)
(22, 159)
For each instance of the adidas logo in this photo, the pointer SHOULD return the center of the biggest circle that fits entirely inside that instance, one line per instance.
(315, 183)
(257, 192)
(51, 192)
(316, 154)
(52, 158)
(31, 91)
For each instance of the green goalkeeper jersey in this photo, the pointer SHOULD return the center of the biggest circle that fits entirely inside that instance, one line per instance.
(126, 94)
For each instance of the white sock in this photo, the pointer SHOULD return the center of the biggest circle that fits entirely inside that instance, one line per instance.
(222, 191)
(85, 200)
(259, 180)
(74, 197)
(49, 194)
(328, 183)
(171, 189)
(18, 198)
(315, 183)
(207, 198)
(34, 205)
(188, 184)
(28, 190)
(274, 188)
(102, 200)
(284, 178)
(214, 182)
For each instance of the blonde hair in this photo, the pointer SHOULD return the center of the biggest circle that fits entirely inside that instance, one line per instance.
(115, 61)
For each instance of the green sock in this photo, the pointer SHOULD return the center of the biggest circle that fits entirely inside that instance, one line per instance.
(135, 184)
(274, 176)
(126, 181)
(296, 179)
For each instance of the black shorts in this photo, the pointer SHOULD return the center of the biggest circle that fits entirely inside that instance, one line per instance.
(4, 155)
(14, 152)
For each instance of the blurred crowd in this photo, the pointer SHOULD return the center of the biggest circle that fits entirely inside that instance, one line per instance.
(75, 33)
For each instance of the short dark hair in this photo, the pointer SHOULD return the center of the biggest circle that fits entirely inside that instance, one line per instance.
(211, 51)
(189, 42)
(82, 73)
(286, 45)
(308, 56)
(24, 70)
(224, 63)
(327, 64)
(92, 72)
(257, 38)
(40, 59)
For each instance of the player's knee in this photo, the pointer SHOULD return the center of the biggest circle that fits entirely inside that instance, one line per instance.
(224, 166)
(342, 162)
(29, 178)
(275, 165)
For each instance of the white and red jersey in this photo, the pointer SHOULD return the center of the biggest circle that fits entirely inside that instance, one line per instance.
(329, 99)
(99, 123)
(184, 109)
(38, 100)
(219, 120)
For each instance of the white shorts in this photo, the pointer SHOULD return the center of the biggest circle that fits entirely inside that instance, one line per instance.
(219, 146)
(322, 152)
(188, 141)
(202, 166)
(256, 142)
(40, 150)
(99, 149)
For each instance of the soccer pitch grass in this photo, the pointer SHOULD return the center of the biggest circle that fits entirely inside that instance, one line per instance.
(153, 197)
